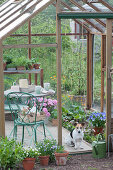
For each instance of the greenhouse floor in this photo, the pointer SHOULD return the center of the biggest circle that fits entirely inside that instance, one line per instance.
(51, 132)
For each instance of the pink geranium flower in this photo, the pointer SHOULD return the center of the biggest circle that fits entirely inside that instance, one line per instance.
(55, 102)
(48, 114)
(40, 99)
(45, 110)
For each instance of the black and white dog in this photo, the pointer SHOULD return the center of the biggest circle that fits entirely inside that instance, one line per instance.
(75, 137)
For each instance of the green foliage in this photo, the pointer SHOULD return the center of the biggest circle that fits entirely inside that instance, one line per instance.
(72, 110)
(20, 61)
(47, 147)
(60, 149)
(9, 153)
(11, 65)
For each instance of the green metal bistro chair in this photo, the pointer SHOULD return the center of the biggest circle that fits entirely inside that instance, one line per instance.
(24, 108)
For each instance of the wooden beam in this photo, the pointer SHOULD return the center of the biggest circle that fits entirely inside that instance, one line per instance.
(2, 115)
(83, 9)
(58, 58)
(106, 4)
(29, 45)
(29, 49)
(78, 22)
(103, 56)
(89, 69)
(108, 79)
(52, 34)
(93, 6)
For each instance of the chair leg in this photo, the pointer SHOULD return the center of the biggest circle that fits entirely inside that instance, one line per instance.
(44, 130)
(15, 132)
(35, 134)
(23, 135)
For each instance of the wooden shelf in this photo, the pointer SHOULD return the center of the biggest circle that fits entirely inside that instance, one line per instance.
(34, 71)
(22, 71)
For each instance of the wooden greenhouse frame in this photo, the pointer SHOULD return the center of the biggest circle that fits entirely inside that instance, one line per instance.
(13, 17)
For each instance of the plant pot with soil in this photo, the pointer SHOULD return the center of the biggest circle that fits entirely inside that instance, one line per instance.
(11, 67)
(28, 156)
(61, 156)
(21, 63)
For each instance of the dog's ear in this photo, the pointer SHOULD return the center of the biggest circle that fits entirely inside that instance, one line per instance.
(83, 123)
(73, 122)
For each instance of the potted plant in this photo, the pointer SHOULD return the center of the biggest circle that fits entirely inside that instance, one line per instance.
(21, 63)
(29, 64)
(61, 155)
(36, 65)
(28, 157)
(11, 67)
(4, 64)
(97, 120)
(46, 149)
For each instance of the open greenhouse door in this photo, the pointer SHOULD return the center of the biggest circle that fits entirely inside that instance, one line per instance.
(109, 120)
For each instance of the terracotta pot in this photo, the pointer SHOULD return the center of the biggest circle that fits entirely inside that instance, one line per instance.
(55, 122)
(61, 158)
(20, 67)
(98, 130)
(4, 66)
(44, 160)
(31, 67)
(28, 163)
(36, 66)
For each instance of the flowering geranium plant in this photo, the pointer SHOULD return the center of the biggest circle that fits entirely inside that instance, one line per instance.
(48, 106)
(97, 119)
(28, 152)
(47, 147)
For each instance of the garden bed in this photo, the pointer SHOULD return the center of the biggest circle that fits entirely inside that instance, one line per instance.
(80, 162)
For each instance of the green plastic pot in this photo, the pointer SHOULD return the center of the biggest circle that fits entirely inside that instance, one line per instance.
(99, 149)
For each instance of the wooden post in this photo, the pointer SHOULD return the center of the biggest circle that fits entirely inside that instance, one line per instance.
(41, 77)
(108, 79)
(2, 116)
(103, 64)
(58, 55)
(89, 69)
(29, 49)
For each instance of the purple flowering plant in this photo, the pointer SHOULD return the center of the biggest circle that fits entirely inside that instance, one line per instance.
(47, 147)
(97, 119)
(49, 105)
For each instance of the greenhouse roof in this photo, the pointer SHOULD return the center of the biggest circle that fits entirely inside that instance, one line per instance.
(90, 14)
(14, 14)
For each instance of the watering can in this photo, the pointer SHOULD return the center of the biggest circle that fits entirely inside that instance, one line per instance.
(99, 148)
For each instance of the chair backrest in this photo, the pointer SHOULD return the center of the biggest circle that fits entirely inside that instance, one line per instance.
(24, 107)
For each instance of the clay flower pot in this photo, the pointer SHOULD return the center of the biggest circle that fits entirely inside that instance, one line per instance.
(37, 66)
(44, 160)
(55, 122)
(20, 67)
(98, 130)
(61, 158)
(28, 163)
(4, 66)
